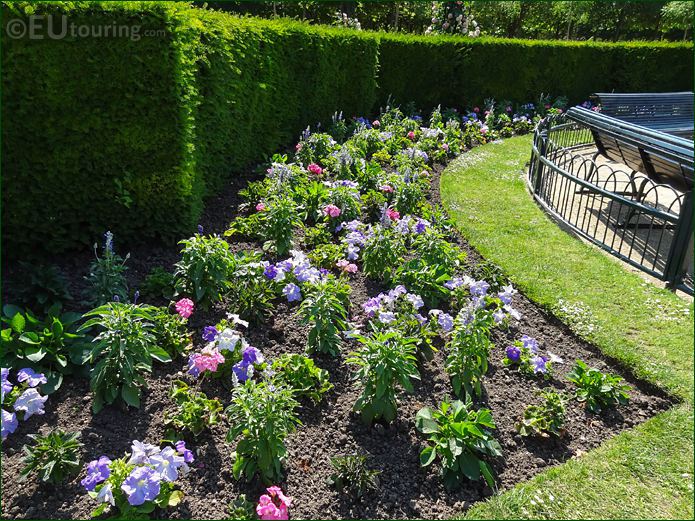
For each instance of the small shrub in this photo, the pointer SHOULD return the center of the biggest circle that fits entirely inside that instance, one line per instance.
(159, 283)
(280, 220)
(385, 361)
(317, 235)
(193, 414)
(44, 286)
(106, 275)
(324, 308)
(596, 389)
(524, 355)
(382, 253)
(546, 418)
(122, 352)
(459, 437)
(53, 457)
(352, 473)
(250, 292)
(301, 375)
(241, 509)
(203, 269)
(424, 279)
(263, 414)
(326, 255)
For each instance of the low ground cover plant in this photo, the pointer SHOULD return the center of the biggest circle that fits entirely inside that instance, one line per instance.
(546, 418)
(193, 413)
(598, 390)
(352, 473)
(301, 375)
(54, 457)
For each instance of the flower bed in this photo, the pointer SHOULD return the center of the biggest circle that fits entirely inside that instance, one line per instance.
(343, 318)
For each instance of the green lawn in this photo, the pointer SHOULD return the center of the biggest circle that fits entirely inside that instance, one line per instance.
(643, 473)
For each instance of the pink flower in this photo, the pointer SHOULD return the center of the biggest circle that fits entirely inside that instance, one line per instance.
(315, 169)
(445, 147)
(547, 105)
(476, 110)
(332, 210)
(207, 360)
(509, 109)
(393, 214)
(386, 188)
(185, 307)
(273, 505)
(487, 112)
(411, 135)
(346, 266)
(560, 111)
(260, 207)
(376, 123)
(298, 147)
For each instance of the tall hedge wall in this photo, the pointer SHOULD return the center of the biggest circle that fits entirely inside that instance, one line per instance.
(130, 135)
(455, 71)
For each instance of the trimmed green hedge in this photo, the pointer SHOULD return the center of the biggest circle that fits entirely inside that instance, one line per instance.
(453, 71)
(130, 135)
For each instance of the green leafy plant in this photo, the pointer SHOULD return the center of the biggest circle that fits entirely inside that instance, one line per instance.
(203, 269)
(193, 413)
(122, 352)
(458, 435)
(52, 345)
(326, 255)
(159, 283)
(43, 287)
(106, 274)
(596, 389)
(262, 414)
(317, 235)
(280, 220)
(469, 348)
(324, 308)
(300, 374)
(386, 360)
(382, 253)
(241, 509)
(424, 279)
(170, 331)
(351, 473)
(546, 418)
(250, 291)
(53, 457)
(372, 204)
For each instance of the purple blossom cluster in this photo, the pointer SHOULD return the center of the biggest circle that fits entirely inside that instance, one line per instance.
(385, 307)
(479, 293)
(297, 266)
(24, 398)
(149, 466)
(524, 353)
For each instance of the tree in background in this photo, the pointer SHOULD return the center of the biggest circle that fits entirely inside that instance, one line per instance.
(571, 20)
(679, 16)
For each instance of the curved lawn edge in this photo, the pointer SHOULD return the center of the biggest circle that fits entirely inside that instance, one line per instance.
(646, 472)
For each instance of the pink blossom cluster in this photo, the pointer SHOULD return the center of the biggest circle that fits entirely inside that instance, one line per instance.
(207, 360)
(185, 307)
(346, 266)
(315, 169)
(274, 504)
(332, 210)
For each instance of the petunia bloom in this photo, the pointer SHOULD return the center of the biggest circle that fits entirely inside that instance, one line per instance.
(167, 463)
(30, 377)
(30, 402)
(260, 207)
(105, 495)
(185, 307)
(186, 453)
(539, 364)
(97, 471)
(292, 292)
(446, 322)
(393, 214)
(411, 135)
(315, 169)
(141, 452)
(142, 484)
(513, 353)
(6, 384)
(210, 333)
(332, 210)
(273, 505)
(9, 423)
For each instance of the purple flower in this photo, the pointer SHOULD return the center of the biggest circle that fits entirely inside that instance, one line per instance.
(539, 364)
(506, 294)
(372, 306)
(242, 371)
(30, 402)
(200, 229)
(453, 283)
(141, 452)
(479, 288)
(186, 453)
(498, 316)
(397, 292)
(415, 300)
(105, 495)
(210, 333)
(292, 292)
(192, 368)
(6, 385)
(167, 463)
(514, 353)
(9, 423)
(97, 471)
(530, 343)
(446, 322)
(251, 355)
(421, 319)
(421, 226)
(30, 377)
(141, 485)
(270, 271)
(386, 317)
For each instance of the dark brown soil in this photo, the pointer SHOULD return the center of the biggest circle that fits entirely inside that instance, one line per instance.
(329, 429)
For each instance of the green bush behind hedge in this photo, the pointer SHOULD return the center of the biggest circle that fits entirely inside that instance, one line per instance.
(111, 133)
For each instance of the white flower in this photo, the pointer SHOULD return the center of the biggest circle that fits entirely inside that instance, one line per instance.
(105, 495)
(142, 452)
(227, 340)
(31, 402)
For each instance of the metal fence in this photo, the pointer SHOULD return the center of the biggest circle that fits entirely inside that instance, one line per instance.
(646, 224)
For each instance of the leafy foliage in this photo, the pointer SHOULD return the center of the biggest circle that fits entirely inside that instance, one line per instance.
(386, 360)
(43, 287)
(351, 472)
(324, 308)
(300, 374)
(262, 414)
(54, 457)
(122, 352)
(382, 252)
(458, 435)
(203, 269)
(159, 283)
(596, 389)
(250, 292)
(106, 275)
(546, 418)
(194, 411)
(52, 345)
